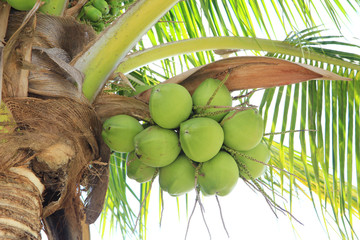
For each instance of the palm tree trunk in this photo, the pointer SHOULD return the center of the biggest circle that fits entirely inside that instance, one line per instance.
(57, 136)
(20, 204)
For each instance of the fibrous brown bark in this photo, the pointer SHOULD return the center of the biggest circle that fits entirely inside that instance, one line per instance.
(20, 204)
(57, 134)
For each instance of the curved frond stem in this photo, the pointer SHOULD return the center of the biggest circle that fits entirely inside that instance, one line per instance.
(141, 58)
(101, 59)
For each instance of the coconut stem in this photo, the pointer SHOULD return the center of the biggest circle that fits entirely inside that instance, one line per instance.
(225, 110)
(247, 94)
(218, 87)
(203, 214)
(192, 213)
(197, 173)
(235, 153)
(272, 204)
(254, 184)
(239, 109)
(197, 200)
(131, 160)
(221, 215)
(203, 108)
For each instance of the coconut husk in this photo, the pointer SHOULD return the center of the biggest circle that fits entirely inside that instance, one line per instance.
(58, 133)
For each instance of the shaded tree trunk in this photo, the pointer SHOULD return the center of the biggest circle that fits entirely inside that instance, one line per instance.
(55, 150)
(20, 204)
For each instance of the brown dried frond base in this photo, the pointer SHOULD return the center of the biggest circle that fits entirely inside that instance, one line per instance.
(20, 207)
(58, 132)
(42, 124)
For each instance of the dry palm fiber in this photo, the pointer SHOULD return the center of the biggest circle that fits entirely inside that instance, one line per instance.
(42, 124)
(55, 42)
(108, 105)
(58, 133)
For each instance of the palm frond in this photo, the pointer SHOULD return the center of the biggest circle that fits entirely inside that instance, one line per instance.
(117, 203)
(194, 19)
(330, 109)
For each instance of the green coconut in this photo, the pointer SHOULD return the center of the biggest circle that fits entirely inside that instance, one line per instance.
(203, 93)
(26, 5)
(92, 13)
(243, 130)
(178, 177)
(119, 132)
(137, 170)
(219, 175)
(102, 6)
(201, 138)
(22, 5)
(254, 169)
(169, 105)
(156, 146)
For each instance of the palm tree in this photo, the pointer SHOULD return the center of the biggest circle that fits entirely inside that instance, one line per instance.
(52, 150)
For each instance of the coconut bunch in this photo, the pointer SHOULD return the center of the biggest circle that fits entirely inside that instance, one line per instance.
(197, 140)
(100, 13)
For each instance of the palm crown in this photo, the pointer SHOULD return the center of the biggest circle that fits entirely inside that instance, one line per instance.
(318, 150)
